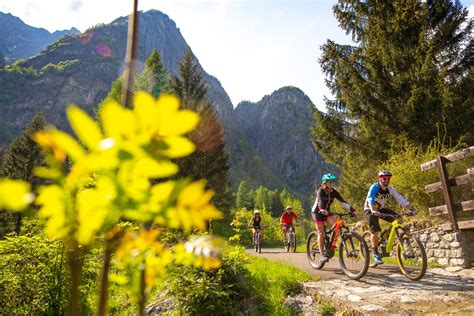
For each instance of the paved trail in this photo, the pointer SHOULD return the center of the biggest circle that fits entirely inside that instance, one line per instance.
(384, 289)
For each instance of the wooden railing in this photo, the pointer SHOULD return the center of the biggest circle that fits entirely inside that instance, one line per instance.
(445, 185)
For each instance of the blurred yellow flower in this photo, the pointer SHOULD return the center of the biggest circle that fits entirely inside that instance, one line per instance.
(15, 194)
(47, 142)
(193, 206)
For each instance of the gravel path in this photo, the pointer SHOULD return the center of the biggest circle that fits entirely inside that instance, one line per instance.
(382, 290)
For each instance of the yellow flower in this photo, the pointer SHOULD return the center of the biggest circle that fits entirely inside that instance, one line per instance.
(193, 206)
(85, 127)
(53, 201)
(173, 122)
(15, 194)
(45, 140)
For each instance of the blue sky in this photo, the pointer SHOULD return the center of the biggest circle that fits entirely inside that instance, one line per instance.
(252, 46)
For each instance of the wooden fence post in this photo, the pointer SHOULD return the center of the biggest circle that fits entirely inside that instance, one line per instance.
(448, 197)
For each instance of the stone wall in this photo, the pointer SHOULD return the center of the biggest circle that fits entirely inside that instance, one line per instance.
(448, 248)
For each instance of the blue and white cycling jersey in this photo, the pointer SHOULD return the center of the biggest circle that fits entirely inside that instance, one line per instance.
(378, 195)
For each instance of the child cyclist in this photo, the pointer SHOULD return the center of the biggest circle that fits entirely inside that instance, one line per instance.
(321, 210)
(256, 222)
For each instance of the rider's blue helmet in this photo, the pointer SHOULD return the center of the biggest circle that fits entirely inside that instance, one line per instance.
(328, 177)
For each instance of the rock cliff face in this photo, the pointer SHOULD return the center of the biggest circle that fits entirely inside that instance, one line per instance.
(80, 69)
(268, 142)
(19, 40)
(278, 128)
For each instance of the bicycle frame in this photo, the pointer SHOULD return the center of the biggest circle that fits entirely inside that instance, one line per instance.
(393, 228)
(334, 232)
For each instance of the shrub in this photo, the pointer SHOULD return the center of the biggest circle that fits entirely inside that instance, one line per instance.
(222, 291)
(271, 234)
(32, 276)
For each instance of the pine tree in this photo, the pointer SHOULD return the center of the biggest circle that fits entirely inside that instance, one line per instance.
(404, 77)
(210, 161)
(241, 197)
(154, 78)
(277, 206)
(20, 159)
(116, 91)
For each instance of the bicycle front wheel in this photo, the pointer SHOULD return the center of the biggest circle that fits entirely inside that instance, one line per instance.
(353, 255)
(259, 243)
(411, 257)
(312, 251)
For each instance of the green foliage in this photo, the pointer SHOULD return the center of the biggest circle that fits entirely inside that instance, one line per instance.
(404, 162)
(106, 182)
(62, 66)
(116, 90)
(271, 234)
(274, 281)
(325, 308)
(263, 198)
(223, 291)
(243, 284)
(409, 74)
(32, 276)
(21, 157)
(154, 78)
(242, 198)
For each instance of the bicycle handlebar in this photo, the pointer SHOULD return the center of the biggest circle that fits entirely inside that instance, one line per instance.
(340, 214)
(382, 215)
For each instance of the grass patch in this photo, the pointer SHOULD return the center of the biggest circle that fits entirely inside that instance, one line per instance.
(274, 281)
(325, 308)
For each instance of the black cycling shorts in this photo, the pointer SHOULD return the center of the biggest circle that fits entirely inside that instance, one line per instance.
(374, 225)
(319, 218)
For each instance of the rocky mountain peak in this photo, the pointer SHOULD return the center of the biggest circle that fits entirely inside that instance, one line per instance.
(278, 128)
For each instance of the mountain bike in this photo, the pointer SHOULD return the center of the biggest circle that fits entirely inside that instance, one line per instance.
(410, 253)
(353, 251)
(257, 239)
(290, 241)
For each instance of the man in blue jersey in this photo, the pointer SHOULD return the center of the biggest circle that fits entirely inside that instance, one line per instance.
(374, 209)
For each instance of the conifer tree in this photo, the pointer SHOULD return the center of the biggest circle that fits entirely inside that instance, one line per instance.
(154, 78)
(277, 206)
(19, 161)
(410, 74)
(210, 161)
(242, 196)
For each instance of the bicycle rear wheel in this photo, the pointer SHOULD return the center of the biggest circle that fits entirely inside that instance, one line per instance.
(257, 241)
(293, 242)
(353, 255)
(411, 257)
(312, 251)
(286, 242)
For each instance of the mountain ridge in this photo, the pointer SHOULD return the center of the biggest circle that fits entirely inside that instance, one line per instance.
(26, 40)
(80, 68)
